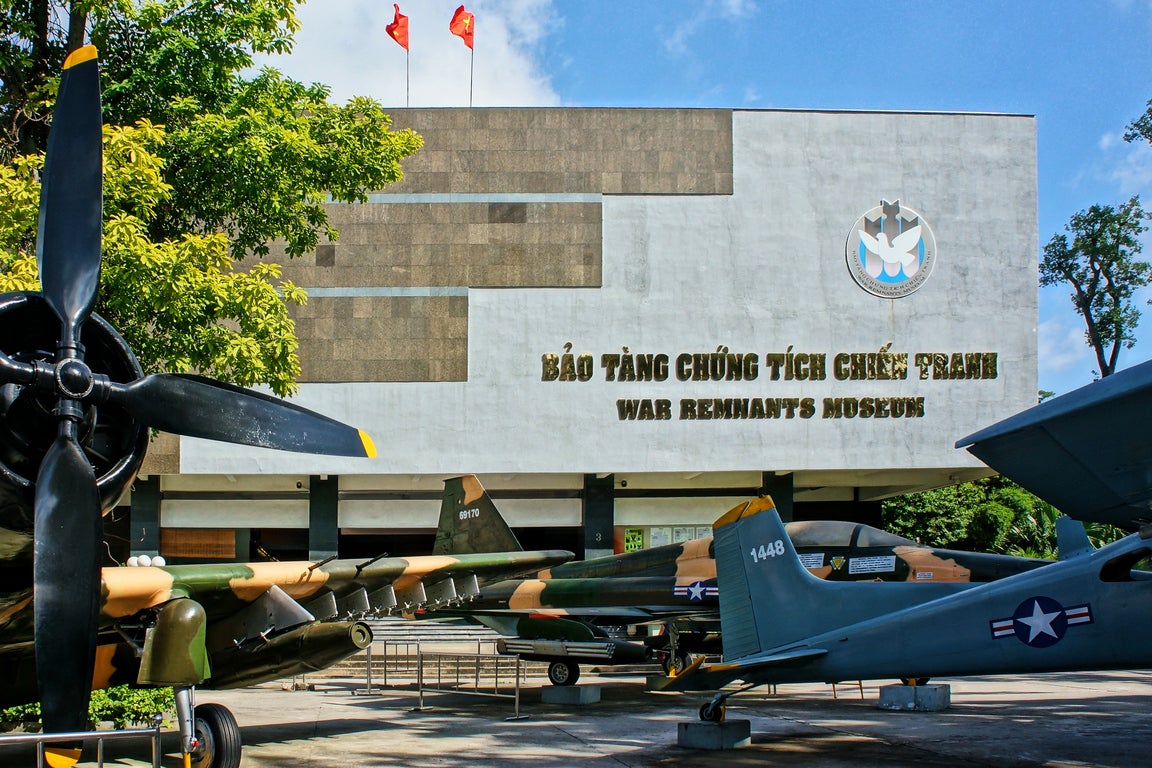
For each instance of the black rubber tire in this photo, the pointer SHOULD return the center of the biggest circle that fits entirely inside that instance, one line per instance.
(682, 661)
(666, 663)
(219, 737)
(710, 713)
(563, 672)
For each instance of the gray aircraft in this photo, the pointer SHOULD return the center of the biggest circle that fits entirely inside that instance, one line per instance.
(1084, 612)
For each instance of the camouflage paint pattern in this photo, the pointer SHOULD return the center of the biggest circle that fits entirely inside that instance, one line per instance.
(469, 521)
(679, 580)
(132, 597)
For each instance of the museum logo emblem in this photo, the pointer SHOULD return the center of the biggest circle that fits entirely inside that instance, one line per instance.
(890, 250)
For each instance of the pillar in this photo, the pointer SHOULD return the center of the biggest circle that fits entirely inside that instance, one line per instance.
(145, 526)
(779, 487)
(599, 515)
(323, 520)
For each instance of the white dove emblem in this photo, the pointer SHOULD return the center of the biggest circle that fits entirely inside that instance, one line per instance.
(894, 256)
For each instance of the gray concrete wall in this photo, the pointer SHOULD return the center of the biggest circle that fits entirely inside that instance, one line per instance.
(671, 232)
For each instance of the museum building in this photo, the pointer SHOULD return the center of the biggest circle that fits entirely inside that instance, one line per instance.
(626, 321)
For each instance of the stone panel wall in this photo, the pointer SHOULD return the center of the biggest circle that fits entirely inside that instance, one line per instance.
(489, 245)
(496, 198)
(539, 150)
(384, 338)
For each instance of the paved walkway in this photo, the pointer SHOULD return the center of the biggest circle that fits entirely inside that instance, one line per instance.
(1098, 719)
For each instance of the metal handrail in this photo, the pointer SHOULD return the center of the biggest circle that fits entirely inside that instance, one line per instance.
(458, 662)
(400, 658)
(41, 739)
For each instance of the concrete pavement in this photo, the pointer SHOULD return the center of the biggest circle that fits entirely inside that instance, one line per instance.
(1094, 719)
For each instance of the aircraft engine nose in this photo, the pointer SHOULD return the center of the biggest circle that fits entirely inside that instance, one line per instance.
(112, 441)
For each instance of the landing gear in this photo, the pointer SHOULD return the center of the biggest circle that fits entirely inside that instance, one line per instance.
(713, 712)
(563, 672)
(676, 662)
(915, 680)
(218, 738)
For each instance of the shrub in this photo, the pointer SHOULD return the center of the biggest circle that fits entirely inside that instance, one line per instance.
(122, 706)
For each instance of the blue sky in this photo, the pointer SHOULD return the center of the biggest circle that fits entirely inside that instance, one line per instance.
(1082, 67)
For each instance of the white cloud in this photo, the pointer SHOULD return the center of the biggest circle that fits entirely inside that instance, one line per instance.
(1132, 171)
(1065, 360)
(705, 11)
(342, 43)
(1062, 346)
(737, 8)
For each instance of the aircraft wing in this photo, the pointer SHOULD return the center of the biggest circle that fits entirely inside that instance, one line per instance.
(233, 624)
(288, 594)
(1087, 452)
(327, 590)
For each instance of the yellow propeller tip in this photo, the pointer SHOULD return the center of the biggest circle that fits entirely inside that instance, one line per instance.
(369, 446)
(80, 55)
(60, 757)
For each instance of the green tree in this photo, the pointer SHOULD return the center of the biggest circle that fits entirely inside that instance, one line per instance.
(1032, 529)
(204, 166)
(1141, 127)
(989, 515)
(152, 52)
(1098, 257)
(938, 518)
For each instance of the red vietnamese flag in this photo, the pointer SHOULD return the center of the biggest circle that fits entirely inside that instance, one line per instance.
(398, 29)
(463, 24)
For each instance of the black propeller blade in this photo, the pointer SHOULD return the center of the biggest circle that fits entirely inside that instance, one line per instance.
(199, 407)
(67, 578)
(68, 528)
(67, 520)
(68, 237)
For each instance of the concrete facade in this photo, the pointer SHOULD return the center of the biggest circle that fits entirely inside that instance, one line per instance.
(662, 298)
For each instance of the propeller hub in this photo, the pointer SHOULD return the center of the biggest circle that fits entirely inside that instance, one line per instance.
(30, 403)
(73, 379)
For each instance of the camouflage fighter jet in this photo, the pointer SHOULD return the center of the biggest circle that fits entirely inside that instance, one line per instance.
(1089, 611)
(75, 415)
(563, 615)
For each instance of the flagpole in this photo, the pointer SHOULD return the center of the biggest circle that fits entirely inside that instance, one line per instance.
(407, 77)
(471, 72)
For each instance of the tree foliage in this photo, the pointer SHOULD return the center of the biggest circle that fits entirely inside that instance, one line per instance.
(1098, 257)
(152, 52)
(986, 515)
(1141, 127)
(989, 515)
(206, 164)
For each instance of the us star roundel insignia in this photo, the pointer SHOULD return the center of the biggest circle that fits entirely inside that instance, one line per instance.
(890, 250)
(696, 591)
(1040, 622)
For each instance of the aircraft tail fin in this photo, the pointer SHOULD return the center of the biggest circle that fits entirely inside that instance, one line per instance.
(769, 599)
(469, 521)
(755, 557)
(1071, 538)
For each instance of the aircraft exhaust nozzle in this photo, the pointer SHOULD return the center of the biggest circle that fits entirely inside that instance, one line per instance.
(305, 649)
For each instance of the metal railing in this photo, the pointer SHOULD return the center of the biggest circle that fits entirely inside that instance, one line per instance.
(477, 674)
(41, 740)
(399, 660)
